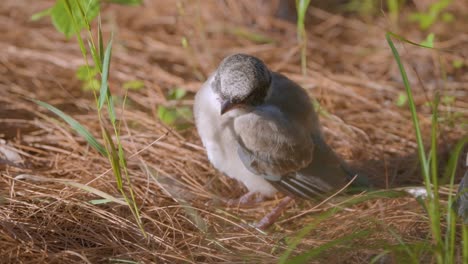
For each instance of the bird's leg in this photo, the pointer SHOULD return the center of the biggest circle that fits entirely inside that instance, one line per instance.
(248, 199)
(272, 216)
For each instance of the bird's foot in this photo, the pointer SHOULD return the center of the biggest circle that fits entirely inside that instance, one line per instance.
(272, 216)
(247, 200)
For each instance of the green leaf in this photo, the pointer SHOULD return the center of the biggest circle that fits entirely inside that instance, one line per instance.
(426, 19)
(85, 73)
(429, 41)
(184, 42)
(177, 93)
(457, 64)
(91, 85)
(401, 100)
(105, 75)
(41, 14)
(126, 2)
(448, 17)
(184, 112)
(62, 20)
(133, 85)
(166, 115)
(448, 99)
(82, 131)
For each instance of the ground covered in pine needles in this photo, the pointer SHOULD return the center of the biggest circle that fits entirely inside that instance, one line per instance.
(46, 218)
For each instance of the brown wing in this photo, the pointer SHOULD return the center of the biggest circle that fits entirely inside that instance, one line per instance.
(271, 146)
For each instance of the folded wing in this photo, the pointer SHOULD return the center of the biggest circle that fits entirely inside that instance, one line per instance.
(289, 156)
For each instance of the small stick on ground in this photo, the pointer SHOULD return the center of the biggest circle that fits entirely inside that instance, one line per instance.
(271, 217)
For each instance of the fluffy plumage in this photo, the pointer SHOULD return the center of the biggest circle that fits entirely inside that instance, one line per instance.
(260, 128)
(461, 204)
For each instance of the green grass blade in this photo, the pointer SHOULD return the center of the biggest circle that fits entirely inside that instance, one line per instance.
(100, 41)
(394, 9)
(306, 230)
(450, 233)
(302, 6)
(405, 246)
(41, 14)
(77, 30)
(377, 258)
(95, 56)
(305, 257)
(105, 75)
(409, 41)
(81, 130)
(434, 130)
(127, 2)
(113, 157)
(453, 161)
(250, 35)
(433, 202)
(327, 214)
(412, 105)
(95, 191)
(110, 108)
(465, 242)
(450, 245)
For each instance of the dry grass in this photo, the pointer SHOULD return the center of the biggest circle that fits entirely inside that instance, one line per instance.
(351, 73)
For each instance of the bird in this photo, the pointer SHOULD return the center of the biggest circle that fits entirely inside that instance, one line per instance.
(461, 203)
(260, 128)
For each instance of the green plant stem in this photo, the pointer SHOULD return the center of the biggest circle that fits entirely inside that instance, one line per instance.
(432, 199)
(434, 202)
(451, 218)
(115, 155)
(465, 243)
(302, 6)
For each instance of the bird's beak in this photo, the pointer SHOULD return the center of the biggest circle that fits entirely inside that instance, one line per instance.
(227, 106)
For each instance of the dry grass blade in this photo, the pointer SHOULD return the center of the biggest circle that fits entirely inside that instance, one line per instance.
(83, 187)
(350, 74)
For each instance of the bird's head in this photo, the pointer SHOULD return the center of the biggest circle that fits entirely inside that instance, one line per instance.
(241, 81)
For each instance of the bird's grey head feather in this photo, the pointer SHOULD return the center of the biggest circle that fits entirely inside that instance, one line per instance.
(242, 79)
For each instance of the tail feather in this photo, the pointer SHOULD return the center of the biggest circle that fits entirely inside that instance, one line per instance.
(461, 204)
(299, 187)
(325, 174)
